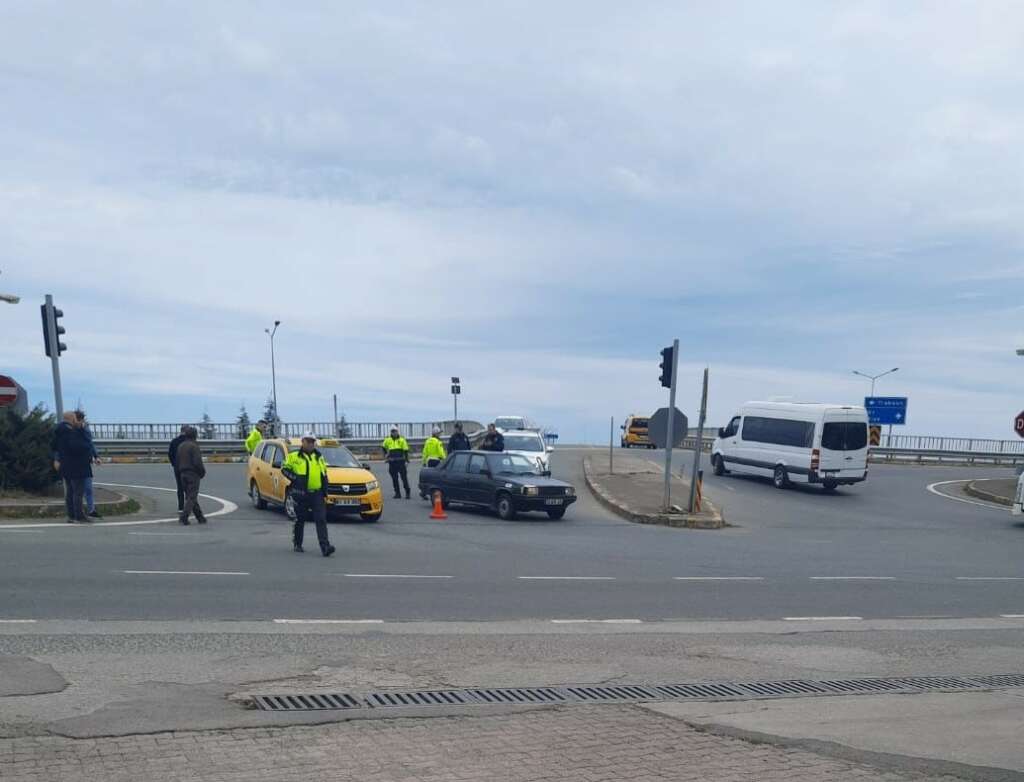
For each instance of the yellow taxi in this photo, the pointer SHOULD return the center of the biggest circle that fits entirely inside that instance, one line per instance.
(351, 487)
(635, 434)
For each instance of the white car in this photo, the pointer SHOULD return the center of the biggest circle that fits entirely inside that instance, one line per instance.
(531, 445)
(508, 423)
(795, 442)
(1017, 508)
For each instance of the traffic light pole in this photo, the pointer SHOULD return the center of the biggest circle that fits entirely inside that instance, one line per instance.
(667, 499)
(51, 330)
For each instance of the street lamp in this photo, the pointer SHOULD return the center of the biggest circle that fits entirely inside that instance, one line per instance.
(273, 374)
(873, 378)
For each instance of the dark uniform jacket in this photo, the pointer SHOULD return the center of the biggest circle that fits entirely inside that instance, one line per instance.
(459, 442)
(190, 458)
(73, 450)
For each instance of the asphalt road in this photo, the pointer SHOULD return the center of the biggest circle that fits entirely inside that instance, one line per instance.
(889, 548)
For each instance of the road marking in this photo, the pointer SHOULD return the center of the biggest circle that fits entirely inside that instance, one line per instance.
(597, 621)
(17, 621)
(853, 578)
(718, 578)
(185, 572)
(174, 534)
(329, 621)
(566, 578)
(822, 618)
(227, 506)
(389, 575)
(932, 488)
(990, 578)
(1003, 616)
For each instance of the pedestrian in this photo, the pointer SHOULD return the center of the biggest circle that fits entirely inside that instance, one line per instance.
(433, 452)
(396, 451)
(256, 435)
(459, 441)
(94, 456)
(190, 466)
(306, 471)
(72, 459)
(493, 440)
(172, 457)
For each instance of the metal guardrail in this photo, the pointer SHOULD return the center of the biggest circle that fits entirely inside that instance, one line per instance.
(959, 444)
(221, 431)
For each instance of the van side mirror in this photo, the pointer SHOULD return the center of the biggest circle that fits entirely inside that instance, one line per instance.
(721, 432)
(551, 449)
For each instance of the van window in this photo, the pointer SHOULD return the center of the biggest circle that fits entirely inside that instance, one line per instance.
(844, 436)
(732, 428)
(778, 431)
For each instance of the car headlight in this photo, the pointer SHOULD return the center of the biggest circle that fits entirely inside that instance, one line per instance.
(570, 491)
(373, 485)
(531, 491)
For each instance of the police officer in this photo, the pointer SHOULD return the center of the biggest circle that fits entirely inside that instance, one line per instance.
(459, 441)
(306, 472)
(256, 435)
(433, 452)
(396, 452)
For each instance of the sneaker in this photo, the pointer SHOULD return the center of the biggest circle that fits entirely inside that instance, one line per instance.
(183, 521)
(71, 521)
(95, 514)
(85, 520)
(297, 548)
(328, 550)
(397, 497)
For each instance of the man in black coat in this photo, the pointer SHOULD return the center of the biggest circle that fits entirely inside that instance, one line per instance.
(458, 441)
(72, 459)
(493, 440)
(172, 455)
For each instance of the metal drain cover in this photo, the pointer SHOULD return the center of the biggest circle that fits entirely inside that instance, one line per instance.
(578, 694)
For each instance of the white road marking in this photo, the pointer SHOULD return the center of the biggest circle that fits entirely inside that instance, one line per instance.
(1002, 616)
(990, 578)
(853, 578)
(718, 578)
(389, 575)
(597, 621)
(932, 488)
(186, 572)
(823, 618)
(17, 621)
(566, 578)
(329, 621)
(167, 534)
(227, 506)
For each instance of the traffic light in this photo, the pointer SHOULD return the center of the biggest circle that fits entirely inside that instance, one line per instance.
(666, 367)
(58, 329)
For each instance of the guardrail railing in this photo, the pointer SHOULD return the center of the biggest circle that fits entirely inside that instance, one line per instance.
(220, 431)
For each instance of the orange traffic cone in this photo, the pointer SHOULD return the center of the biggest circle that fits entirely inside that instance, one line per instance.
(438, 511)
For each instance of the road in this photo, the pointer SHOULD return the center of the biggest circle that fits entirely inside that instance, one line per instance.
(887, 549)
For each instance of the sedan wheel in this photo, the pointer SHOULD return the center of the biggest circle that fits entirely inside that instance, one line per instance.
(506, 509)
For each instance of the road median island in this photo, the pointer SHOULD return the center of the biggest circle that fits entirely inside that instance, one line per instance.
(634, 492)
(997, 490)
(108, 503)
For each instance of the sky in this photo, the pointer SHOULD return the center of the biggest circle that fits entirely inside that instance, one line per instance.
(534, 197)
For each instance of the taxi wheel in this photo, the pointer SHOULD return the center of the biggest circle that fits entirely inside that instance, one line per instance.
(257, 499)
(370, 516)
(289, 506)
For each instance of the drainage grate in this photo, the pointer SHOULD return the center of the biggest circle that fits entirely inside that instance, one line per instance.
(519, 695)
(629, 693)
(418, 698)
(306, 702)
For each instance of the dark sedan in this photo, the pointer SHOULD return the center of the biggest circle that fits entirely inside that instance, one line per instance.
(505, 482)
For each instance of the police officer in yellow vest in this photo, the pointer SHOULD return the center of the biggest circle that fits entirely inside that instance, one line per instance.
(256, 435)
(433, 452)
(306, 471)
(396, 452)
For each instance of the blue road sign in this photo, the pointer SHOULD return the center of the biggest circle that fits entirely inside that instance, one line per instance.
(886, 409)
(550, 436)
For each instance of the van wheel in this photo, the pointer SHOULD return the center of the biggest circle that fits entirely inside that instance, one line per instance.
(506, 509)
(257, 499)
(781, 477)
(718, 464)
(829, 486)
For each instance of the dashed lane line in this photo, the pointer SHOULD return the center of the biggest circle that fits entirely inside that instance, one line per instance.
(17, 621)
(329, 621)
(390, 575)
(566, 578)
(853, 578)
(990, 578)
(227, 506)
(823, 618)
(718, 578)
(597, 621)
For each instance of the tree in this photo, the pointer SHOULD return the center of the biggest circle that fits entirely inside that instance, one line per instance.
(243, 425)
(25, 459)
(207, 429)
(344, 430)
(270, 414)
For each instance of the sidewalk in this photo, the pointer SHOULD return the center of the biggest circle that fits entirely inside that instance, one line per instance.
(635, 490)
(588, 744)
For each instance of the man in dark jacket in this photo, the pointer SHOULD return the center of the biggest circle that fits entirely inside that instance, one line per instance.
(72, 459)
(493, 440)
(458, 441)
(172, 456)
(190, 466)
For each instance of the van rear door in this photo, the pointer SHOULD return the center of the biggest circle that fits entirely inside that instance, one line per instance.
(844, 444)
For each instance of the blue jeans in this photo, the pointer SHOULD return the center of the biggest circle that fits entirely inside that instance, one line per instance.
(90, 500)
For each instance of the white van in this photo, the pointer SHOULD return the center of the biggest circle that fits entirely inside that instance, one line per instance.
(795, 442)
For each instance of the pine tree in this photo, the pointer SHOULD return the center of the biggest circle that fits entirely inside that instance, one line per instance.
(207, 429)
(243, 425)
(269, 411)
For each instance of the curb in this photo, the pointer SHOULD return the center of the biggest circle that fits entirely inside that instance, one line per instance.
(52, 510)
(712, 518)
(988, 496)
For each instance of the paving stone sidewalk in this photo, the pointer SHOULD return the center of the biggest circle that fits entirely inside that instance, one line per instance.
(588, 744)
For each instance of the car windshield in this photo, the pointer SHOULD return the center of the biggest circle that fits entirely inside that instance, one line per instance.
(509, 423)
(513, 464)
(523, 442)
(339, 456)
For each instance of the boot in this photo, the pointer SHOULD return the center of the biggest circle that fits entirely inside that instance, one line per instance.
(200, 517)
(183, 519)
(297, 548)
(328, 550)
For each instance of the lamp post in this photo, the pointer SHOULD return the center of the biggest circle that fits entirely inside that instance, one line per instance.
(873, 378)
(273, 375)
